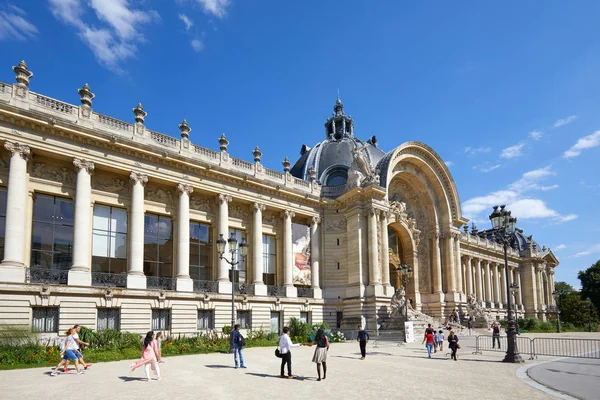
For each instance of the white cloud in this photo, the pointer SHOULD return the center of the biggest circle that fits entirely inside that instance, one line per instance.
(197, 45)
(14, 26)
(114, 37)
(518, 199)
(584, 143)
(560, 247)
(565, 121)
(590, 250)
(486, 167)
(474, 151)
(187, 21)
(218, 8)
(449, 164)
(583, 253)
(513, 151)
(536, 135)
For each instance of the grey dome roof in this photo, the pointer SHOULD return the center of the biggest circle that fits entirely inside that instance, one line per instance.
(333, 156)
(518, 241)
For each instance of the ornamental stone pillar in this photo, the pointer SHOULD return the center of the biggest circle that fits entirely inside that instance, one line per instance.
(288, 254)
(503, 283)
(80, 273)
(260, 289)
(457, 262)
(315, 256)
(436, 262)
(12, 268)
(488, 282)
(520, 292)
(497, 296)
(374, 272)
(184, 281)
(385, 254)
(469, 274)
(135, 268)
(223, 229)
(479, 280)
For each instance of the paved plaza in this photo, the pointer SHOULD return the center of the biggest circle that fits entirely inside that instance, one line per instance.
(388, 372)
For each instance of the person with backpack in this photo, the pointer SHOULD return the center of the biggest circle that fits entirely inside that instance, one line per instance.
(285, 344)
(363, 339)
(238, 343)
(495, 334)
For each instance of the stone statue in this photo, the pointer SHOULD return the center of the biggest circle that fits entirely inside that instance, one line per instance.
(481, 318)
(361, 172)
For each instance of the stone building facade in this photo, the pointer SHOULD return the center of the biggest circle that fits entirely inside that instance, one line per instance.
(109, 224)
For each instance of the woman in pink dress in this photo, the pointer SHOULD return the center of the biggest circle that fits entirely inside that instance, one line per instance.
(149, 351)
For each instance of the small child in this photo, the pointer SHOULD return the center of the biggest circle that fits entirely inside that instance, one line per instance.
(439, 340)
(158, 345)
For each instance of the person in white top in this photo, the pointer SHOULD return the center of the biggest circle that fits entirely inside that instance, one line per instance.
(68, 353)
(285, 344)
(77, 349)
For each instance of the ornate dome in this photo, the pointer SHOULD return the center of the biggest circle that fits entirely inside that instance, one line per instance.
(332, 157)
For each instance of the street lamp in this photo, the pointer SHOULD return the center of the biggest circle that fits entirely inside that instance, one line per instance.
(504, 227)
(514, 289)
(233, 248)
(556, 294)
(589, 303)
(405, 273)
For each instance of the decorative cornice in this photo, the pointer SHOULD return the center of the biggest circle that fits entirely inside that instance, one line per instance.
(83, 164)
(185, 188)
(16, 148)
(137, 177)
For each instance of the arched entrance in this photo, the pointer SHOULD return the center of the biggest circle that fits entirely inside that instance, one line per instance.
(396, 256)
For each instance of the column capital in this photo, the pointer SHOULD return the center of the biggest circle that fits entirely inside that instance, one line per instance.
(16, 148)
(256, 207)
(385, 214)
(83, 164)
(315, 220)
(371, 212)
(137, 177)
(434, 235)
(225, 198)
(185, 188)
(288, 213)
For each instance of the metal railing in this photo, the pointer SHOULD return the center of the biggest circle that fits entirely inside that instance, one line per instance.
(205, 286)
(47, 276)
(103, 279)
(554, 347)
(157, 282)
(278, 291)
(243, 288)
(305, 292)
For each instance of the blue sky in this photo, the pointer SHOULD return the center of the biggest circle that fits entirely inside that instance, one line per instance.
(507, 93)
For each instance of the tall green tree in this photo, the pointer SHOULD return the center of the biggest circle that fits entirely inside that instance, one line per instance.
(590, 283)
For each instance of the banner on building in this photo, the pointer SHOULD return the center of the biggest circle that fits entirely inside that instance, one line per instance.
(301, 250)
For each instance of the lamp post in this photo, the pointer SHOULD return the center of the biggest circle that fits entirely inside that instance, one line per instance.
(556, 294)
(589, 303)
(514, 289)
(504, 227)
(405, 273)
(233, 248)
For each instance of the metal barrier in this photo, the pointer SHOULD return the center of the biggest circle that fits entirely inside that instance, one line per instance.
(393, 337)
(554, 347)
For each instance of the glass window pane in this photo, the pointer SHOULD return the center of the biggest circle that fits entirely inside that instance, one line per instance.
(164, 228)
(194, 254)
(165, 251)
(43, 208)
(150, 225)
(118, 220)
(118, 265)
(100, 264)
(194, 232)
(3, 194)
(42, 259)
(204, 233)
(101, 217)
(2, 227)
(120, 246)
(63, 238)
(150, 248)
(150, 268)
(165, 270)
(64, 212)
(100, 243)
(42, 236)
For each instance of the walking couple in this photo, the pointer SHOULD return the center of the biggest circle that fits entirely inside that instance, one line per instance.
(319, 357)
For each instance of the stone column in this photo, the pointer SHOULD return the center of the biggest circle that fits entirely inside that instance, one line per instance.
(374, 272)
(497, 295)
(436, 262)
(540, 285)
(260, 289)
(80, 273)
(469, 273)
(288, 254)
(135, 270)
(450, 266)
(458, 263)
(315, 256)
(184, 282)
(552, 288)
(223, 229)
(520, 293)
(12, 268)
(479, 279)
(503, 283)
(488, 282)
(385, 254)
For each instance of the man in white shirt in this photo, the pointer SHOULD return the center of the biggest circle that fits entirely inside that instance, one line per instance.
(285, 344)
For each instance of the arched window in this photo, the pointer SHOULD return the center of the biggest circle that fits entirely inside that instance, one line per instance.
(336, 176)
(396, 257)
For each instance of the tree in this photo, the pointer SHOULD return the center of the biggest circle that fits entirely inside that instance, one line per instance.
(573, 307)
(564, 288)
(590, 283)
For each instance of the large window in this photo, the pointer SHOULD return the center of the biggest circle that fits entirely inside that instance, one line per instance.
(45, 319)
(241, 267)
(305, 317)
(244, 319)
(109, 318)
(2, 220)
(200, 252)
(161, 320)
(205, 320)
(52, 235)
(269, 260)
(109, 244)
(158, 246)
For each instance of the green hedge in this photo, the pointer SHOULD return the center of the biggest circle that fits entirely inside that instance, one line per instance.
(537, 325)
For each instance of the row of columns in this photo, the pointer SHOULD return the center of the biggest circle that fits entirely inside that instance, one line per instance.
(12, 267)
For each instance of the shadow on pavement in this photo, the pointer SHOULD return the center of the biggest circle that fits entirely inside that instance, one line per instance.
(218, 366)
(296, 378)
(131, 379)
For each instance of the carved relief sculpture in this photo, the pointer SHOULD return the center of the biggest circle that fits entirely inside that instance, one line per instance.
(53, 173)
(336, 225)
(202, 204)
(112, 185)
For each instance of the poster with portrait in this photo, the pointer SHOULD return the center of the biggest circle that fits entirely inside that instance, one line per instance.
(301, 251)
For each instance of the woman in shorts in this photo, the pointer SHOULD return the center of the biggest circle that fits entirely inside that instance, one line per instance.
(68, 353)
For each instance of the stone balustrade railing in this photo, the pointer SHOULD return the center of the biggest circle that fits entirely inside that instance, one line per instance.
(486, 244)
(60, 112)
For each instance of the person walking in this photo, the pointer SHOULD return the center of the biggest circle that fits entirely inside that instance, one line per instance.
(439, 340)
(159, 340)
(68, 354)
(148, 359)
(470, 323)
(430, 340)
(285, 344)
(78, 349)
(496, 334)
(453, 344)
(320, 356)
(238, 343)
(363, 339)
